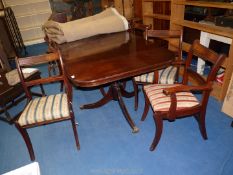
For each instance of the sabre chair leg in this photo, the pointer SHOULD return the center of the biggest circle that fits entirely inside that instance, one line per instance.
(201, 122)
(75, 131)
(135, 86)
(27, 140)
(146, 107)
(158, 132)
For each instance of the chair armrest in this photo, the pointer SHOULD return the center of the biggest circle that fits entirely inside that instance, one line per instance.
(182, 88)
(186, 88)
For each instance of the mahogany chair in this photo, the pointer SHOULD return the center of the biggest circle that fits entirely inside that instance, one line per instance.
(46, 109)
(168, 75)
(11, 89)
(173, 101)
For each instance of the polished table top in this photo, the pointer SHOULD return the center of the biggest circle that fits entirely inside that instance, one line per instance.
(111, 57)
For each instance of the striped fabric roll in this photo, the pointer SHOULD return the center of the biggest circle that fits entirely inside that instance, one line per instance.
(166, 76)
(45, 109)
(160, 102)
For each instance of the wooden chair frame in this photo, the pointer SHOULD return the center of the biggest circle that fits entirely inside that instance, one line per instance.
(204, 85)
(11, 95)
(35, 60)
(165, 35)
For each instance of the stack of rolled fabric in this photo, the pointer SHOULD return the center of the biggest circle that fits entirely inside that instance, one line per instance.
(54, 32)
(108, 21)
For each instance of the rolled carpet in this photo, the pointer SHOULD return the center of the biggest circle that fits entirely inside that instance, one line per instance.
(108, 21)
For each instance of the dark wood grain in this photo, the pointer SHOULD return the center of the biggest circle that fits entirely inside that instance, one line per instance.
(107, 58)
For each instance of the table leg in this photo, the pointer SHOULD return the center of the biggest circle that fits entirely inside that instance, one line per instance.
(124, 93)
(115, 92)
(117, 89)
(106, 98)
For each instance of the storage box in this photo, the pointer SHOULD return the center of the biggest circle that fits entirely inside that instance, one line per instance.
(30, 169)
(228, 101)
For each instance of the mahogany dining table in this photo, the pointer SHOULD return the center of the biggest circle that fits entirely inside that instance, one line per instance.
(110, 59)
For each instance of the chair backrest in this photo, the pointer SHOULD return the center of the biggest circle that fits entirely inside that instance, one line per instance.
(43, 59)
(4, 64)
(140, 28)
(207, 55)
(167, 35)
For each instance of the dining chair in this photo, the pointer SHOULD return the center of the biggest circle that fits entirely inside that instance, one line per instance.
(47, 109)
(168, 75)
(11, 89)
(173, 101)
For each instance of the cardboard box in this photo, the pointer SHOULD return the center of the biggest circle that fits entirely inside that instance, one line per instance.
(228, 101)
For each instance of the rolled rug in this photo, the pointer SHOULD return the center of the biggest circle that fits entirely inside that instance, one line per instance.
(108, 21)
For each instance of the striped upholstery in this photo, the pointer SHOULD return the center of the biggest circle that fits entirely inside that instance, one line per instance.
(160, 102)
(166, 76)
(145, 78)
(45, 109)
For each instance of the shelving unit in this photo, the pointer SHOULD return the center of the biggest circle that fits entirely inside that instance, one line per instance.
(30, 16)
(148, 12)
(177, 22)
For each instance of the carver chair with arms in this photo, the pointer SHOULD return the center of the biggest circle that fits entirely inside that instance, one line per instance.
(172, 101)
(46, 109)
(11, 89)
(168, 75)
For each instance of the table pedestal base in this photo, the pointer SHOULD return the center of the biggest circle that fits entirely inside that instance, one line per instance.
(115, 92)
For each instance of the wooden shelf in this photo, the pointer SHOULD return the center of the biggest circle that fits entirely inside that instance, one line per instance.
(223, 31)
(152, 12)
(223, 5)
(177, 22)
(186, 46)
(158, 16)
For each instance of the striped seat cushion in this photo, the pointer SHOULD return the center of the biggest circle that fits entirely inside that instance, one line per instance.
(45, 109)
(160, 102)
(13, 76)
(166, 76)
